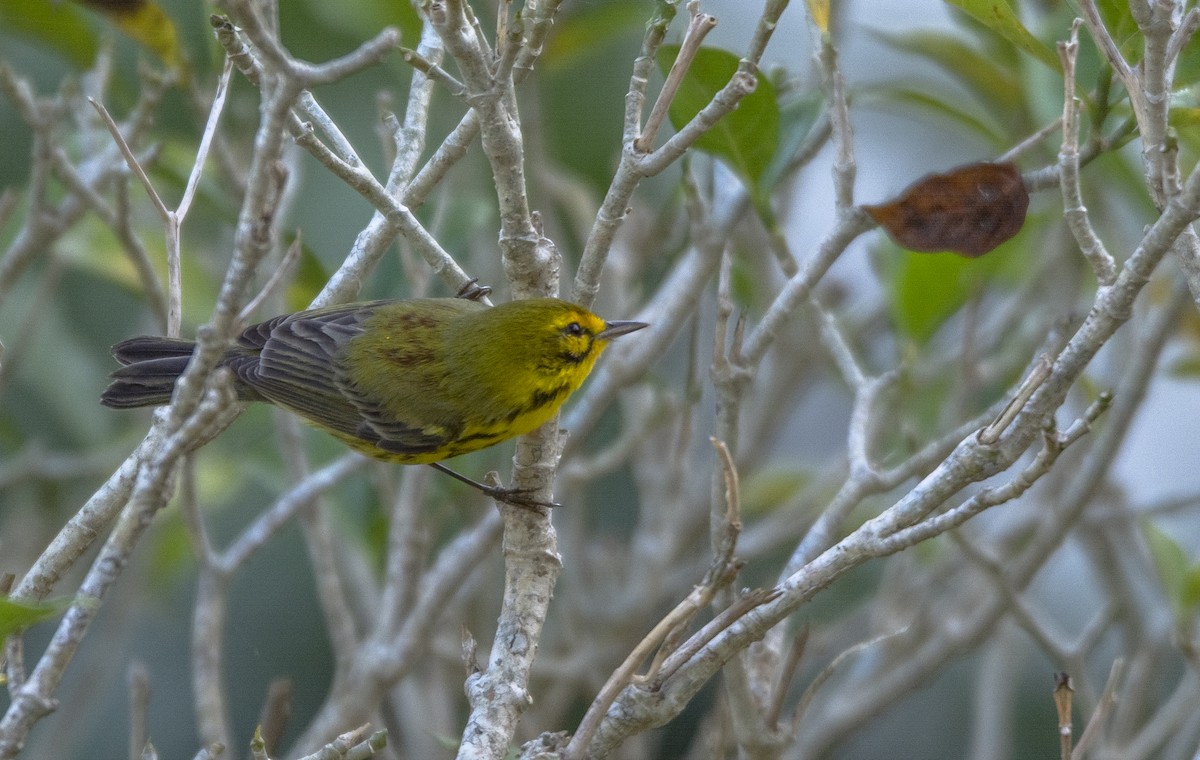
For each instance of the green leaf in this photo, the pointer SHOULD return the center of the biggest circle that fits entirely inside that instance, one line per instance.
(1186, 121)
(1172, 566)
(1189, 590)
(61, 27)
(999, 16)
(307, 282)
(585, 132)
(578, 34)
(926, 289)
(1186, 366)
(171, 548)
(771, 487)
(147, 24)
(745, 139)
(796, 120)
(1187, 70)
(930, 288)
(994, 85)
(364, 18)
(17, 616)
(920, 99)
(1122, 27)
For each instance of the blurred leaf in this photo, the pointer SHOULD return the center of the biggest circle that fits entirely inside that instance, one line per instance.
(796, 120)
(992, 83)
(62, 412)
(578, 34)
(583, 91)
(1186, 121)
(924, 290)
(770, 488)
(94, 251)
(819, 10)
(745, 139)
(745, 280)
(307, 282)
(945, 109)
(171, 555)
(1119, 192)
(173, 168)
(449, 742)
(1172, 566)
(969, 210)
(998, 16)
(1185, 117)
(1189, 591)
(58, 26)
(927, 290)
(1187, 69)
(848, 596)
(17, 616)
(363, 19)
(1187, 366)
(1188, 326)
(147, 24)
(1118, 20)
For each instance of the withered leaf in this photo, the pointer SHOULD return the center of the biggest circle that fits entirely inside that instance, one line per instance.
(968, 210)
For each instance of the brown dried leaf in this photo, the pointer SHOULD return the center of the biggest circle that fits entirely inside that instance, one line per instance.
(968, 210)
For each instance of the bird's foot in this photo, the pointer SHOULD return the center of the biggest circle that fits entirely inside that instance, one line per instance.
(519, 497)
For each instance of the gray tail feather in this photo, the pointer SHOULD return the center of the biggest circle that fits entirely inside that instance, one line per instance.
(151, 365)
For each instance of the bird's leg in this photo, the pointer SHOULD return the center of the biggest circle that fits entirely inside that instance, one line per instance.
(518, 497)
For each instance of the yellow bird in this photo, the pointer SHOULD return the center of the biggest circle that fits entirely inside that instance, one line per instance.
(409, 381)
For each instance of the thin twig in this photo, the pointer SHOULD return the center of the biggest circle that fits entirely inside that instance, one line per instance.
(1041, 370)
(827, 673)
(206, 137)
(624, 674)
(279, 275)
(434, 72)
(699, 25)
(786, 675)
(139, 703)
(1108, 703)
(130, 160)
(1074, 211)
(1063, 699)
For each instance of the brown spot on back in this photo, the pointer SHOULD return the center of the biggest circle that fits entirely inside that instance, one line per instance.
(407, 356)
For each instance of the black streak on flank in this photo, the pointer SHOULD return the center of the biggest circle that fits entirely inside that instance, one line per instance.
(489, 435)
(539, 400)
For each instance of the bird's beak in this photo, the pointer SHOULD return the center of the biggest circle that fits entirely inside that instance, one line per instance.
(613, 329)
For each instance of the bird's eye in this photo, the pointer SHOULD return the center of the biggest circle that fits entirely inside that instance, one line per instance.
(574, 329)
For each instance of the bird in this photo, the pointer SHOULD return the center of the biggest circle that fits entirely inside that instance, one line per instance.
(411, 381)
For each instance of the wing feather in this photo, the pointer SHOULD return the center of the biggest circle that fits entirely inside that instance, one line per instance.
(295, 362)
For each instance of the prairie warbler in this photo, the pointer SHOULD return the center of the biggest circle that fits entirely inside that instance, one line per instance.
(412, 381)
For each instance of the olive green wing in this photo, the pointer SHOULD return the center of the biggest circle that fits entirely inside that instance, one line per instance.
(296, 362)
(378, 427)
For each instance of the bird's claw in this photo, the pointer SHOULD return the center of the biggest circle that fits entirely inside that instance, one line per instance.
(473, 291)
(519, 497)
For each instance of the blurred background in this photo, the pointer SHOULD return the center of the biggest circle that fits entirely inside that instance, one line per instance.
(918, 105)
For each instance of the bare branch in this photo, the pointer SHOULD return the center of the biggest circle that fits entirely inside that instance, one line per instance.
(1073, 209)
(699, 25)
